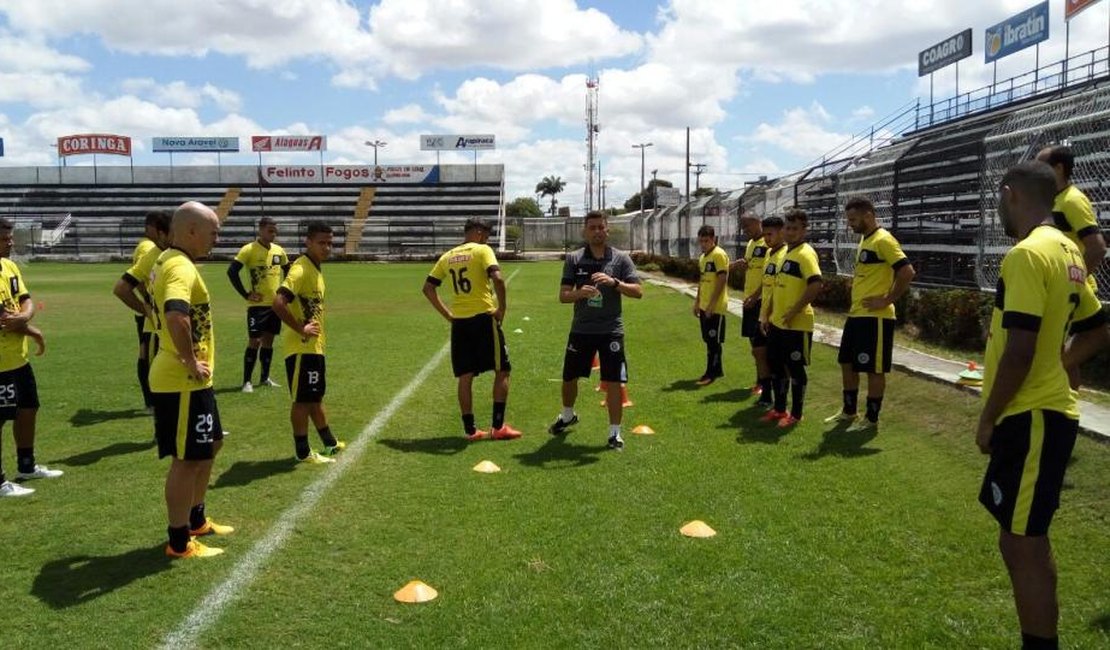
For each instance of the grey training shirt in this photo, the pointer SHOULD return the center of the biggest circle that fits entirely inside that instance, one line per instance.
(601, 314)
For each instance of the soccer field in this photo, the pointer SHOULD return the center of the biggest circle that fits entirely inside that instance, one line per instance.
(825, 539)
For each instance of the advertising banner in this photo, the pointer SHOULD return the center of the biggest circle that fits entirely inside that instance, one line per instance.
(456, 142)
(289, 143)
(1, 147)
(666, 197)
(1073, 7)
(944, 53)
(86, 143)
(347, 174)
(1016, 33)
(205, 144)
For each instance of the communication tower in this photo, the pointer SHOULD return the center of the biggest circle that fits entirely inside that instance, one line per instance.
(592, 129)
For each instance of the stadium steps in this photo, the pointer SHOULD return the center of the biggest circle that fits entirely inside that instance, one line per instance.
(362, 211)
(227, 203)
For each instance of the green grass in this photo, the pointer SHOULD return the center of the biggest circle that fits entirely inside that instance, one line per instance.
(826, 539)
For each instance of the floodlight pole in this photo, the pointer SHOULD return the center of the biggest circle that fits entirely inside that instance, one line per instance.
(375, 143)
(642, 146)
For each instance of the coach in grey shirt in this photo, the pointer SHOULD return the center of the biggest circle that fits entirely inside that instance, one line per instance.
(595, 278)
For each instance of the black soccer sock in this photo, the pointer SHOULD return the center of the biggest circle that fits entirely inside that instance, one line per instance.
(715, 368)
(300, 443)
(265, 355)
(25, 459)
(249, 357)
(196, 516)
(874, 405)
(142, 369)
(1030, 642)
(498, 415)
(851, 401)
(468, 423)
(797, 404)
(326, 437)
(765, 389)
(179, 538)
(780, 384)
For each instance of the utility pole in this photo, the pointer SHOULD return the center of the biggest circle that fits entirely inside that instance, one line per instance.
(654, 191)
(642, 146)
(687, 164)
(698, 171)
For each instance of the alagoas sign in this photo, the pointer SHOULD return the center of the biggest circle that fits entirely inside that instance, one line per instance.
(944, 53)
(1017, 33)
(289, 143)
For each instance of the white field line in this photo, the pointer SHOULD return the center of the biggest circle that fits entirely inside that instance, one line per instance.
(215, 602)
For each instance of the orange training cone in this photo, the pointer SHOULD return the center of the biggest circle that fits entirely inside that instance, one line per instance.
(596, 365)
(415, 592)
(625, 400)
(486, 467)
(602, 386)
(644, 430)
(697, 528)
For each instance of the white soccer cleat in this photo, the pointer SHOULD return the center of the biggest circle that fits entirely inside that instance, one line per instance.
(40, 471)
(9, 489)
(248, 388)
(269, 383)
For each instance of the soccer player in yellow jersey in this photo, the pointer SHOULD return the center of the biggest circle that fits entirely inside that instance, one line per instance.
(1072, 211)
(776, 250)
(19, 398)
(711, 303)
(299, 303)
(751, 265)
(477, 343)
(131, 289)
(267, 264)
(1030, 414)
(186, 418)
(882, 275)
(789, 321)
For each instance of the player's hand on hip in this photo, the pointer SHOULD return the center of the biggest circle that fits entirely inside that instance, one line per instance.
(200, 370)
(741, 264)
(499, 315)
(983, 435)
(311, 328)
(876, 302)
(254, 296)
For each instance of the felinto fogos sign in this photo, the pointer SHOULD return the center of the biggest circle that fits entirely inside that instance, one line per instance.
(449, 142)
(289, 143)
(86, 143)
(944, 53)
(1017, 33)
(347, 174)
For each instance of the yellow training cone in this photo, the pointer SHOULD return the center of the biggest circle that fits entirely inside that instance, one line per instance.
(486, 467)
(415, 592)
(644, 430)
(697, 528)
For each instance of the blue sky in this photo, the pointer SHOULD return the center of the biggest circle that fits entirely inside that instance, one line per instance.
(765, 86)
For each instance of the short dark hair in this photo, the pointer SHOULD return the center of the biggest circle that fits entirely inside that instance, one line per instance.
(860, 203)
(476, 223)
(707, 231)
(795, 215)
(773, 222)
(1061, 154)
(317, 228)
(1034, 179)
(160, 219)
(266, 221)
(595, 214)
(6, 224)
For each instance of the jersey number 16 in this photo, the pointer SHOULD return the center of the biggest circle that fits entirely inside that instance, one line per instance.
(460, 281)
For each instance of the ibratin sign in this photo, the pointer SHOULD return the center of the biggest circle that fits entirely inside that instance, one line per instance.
(347, 174)
(86, 143)
(1017, 33)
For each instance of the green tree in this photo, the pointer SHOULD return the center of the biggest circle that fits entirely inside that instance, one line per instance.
(550, 186)
(633, 204)
(704, 191)
(523, 207)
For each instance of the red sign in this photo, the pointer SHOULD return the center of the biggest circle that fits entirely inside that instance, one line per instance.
(1073, 7)
(115, 145)
(289, 143)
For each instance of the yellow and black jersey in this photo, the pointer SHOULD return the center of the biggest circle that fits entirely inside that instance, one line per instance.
(140, 275)
(304, 289)
(799, 269)
(468, 265)
(13, 346)
(772, 262)
(1042, 289)
(1075, 217)
(710, 266)
(264, 263)
(142, 248)
(756, 255)
(179, 287)
(878, 256)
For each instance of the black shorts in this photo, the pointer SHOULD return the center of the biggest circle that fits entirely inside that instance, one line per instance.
(18, 390)
(867, 344)
(307, 377)
(478, 345)
(712, 327)
(788, 346)
(187, 424)
(262, 320)
(749, 327)
(1029, 456)
(609, 348)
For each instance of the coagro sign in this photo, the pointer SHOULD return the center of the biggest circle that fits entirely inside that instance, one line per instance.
(86, 143)
(208, 144)
(944, 53)
(1017, 33)
(289, 143)
(346, 174)
(449, 142)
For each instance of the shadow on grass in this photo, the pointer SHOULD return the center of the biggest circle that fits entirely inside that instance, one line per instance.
(96, 455)
(1101, 623)
(736, 395)
(245, 472)
(839, 441)
(228, 389)
(89, 417)
(558, 453)
(79, 579)
(751, 429)
(683, 385)
(443, 446)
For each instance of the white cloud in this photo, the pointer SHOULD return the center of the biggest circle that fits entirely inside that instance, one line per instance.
(181, 94)
(29, 54)
(802, 132)
(407, 114)
(40, 90)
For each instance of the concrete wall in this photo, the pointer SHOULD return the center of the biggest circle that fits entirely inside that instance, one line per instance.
(192, 175)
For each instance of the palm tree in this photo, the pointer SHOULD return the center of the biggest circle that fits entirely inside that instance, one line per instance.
(551, 185)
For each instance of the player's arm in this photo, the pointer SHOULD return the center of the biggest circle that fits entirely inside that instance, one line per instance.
(1081, 216)
(1094, 250)
(813, 289)
(125, 289)
(233, 270)
(180, 327)
(1013, 367)
(499, 290)
(719, 283)
(431, 285)
(281, 307)
(903, 275)
(568, 293)
(697, 302)
(627, 283)
(1089, 334)
(18, 321)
